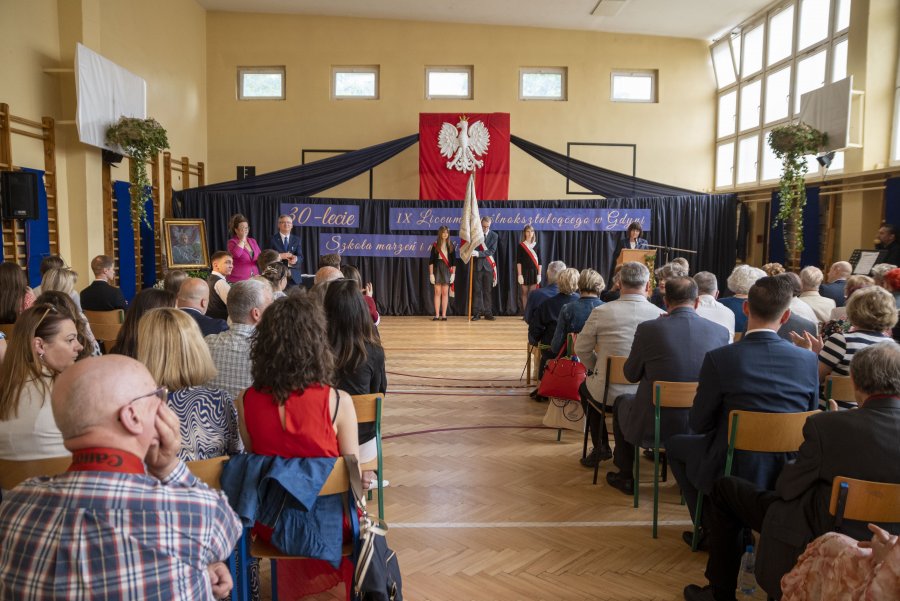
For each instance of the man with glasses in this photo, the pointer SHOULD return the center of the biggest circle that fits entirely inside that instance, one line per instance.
(288, 247)
(127, 520)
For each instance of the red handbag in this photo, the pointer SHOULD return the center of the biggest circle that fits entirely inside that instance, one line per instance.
(562, 378)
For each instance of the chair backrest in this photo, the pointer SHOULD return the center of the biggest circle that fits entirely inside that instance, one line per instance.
(12, 473)
(116, 316)
(839, 388)
(7, 329)
(338, 481)
(674, 395)
(368, 407)
(766, 432)
(107, 332)
(615, 374)
(738, 336)
(209, 470)
(864, 501)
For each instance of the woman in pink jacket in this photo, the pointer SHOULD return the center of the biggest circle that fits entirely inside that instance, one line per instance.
(244, 249)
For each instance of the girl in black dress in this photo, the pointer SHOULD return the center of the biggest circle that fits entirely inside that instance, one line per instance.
(442, 271)
(528, 265)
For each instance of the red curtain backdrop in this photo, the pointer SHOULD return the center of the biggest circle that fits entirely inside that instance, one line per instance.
(436, 182)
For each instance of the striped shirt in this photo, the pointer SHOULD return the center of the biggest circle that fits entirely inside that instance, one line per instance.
(840, 347)
(112, 536)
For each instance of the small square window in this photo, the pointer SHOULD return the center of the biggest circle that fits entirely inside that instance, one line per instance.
(355, 82)
(633, 86)
(449, 82)
(260, 83)
(542, 83)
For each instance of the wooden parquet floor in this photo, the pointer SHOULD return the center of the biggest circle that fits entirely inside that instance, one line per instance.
(485, 505)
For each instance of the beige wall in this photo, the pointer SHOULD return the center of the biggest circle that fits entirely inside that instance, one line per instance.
(674, 136)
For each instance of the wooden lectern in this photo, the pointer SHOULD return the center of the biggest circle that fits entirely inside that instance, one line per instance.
(639, 255)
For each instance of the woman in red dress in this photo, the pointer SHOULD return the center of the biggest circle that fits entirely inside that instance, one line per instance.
(292, 411)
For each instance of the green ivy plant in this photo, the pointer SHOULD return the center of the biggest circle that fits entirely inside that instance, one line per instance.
(142, 140)
(791, 143)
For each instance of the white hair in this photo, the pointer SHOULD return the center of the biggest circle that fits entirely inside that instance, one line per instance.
(743, 277)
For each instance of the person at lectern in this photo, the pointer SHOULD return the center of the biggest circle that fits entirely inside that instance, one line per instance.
(442, 271)
(631, 241)
(485, 273)
(244, 249)
(887, 240)
(528, 265)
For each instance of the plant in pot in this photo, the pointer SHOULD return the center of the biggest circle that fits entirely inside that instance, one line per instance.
(142, 140)
(791, 143)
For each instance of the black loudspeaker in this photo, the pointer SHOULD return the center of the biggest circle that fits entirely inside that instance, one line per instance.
(19, 191)
(245, 171)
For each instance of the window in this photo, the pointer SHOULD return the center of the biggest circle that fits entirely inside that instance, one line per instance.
(771, 165)
(839, 61)
(781, 35)
(260, 83)
(448, 82)
(753, 51)
(547, 83)
(727, 113)
(633, 86)
(723, 64)
(813, 22)
(842, 16)
(748, 155)
(778, 94)
(750, 95)
(354, 82)
(724, 164)
(810, 75)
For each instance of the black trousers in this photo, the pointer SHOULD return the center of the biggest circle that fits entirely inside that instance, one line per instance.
(599, 433)
(623, 453)
(482, 286)
(736, 504)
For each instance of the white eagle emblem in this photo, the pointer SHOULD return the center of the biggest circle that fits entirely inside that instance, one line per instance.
(462, 147)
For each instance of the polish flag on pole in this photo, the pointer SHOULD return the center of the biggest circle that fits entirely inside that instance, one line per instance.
(471, 235)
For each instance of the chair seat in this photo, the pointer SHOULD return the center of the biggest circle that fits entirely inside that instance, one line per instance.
(263, 550)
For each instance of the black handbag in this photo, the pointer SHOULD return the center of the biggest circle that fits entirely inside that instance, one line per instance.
(377, 574)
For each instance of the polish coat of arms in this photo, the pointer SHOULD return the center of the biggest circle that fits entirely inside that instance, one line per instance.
(461, 144)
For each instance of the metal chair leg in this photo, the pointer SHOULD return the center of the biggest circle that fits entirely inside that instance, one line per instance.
(587, 428)
(695, 540)
(637, 476)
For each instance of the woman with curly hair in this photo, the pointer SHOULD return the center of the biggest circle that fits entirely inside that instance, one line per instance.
(15, 295)
(773, 269)
(149, 298)
(244, 249)
(292, 410)
(739, 282)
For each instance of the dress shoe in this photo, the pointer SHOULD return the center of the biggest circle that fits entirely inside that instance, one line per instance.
(489, 317)
(695, 592)
(688, 537)
(476, 317)
(620, 483)
(596, 456)
(534, 393)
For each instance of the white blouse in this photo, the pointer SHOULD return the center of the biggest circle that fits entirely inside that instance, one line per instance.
(32, 434)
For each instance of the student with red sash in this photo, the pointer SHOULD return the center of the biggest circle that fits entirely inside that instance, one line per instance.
(442, 271)
(528, 265)
(485, 277)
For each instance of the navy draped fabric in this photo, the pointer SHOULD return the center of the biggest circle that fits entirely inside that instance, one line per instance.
(37, 233)
(706, 224)
(811, 253)
(127, 266)
(891, 203)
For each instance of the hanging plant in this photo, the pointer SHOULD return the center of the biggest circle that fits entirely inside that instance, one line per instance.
(142, 140)
(791, 143)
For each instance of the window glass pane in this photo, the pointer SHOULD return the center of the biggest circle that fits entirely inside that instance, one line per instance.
(839, 61)
(748, 155)
(842, 18)
(781, 35)
(262, 85)
(813, 22)
(771, 166)
(448, 84)
(723, 64)
(727, 108)
(837, 162)
(542, 85)
(736, 48)
(753, 51)
(810, 75)
(724, 164)
(750, 104)
(635, 87)
(355, 84)
(778, 91)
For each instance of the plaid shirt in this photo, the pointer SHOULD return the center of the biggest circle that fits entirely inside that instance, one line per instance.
(113, 536)
(230, 352)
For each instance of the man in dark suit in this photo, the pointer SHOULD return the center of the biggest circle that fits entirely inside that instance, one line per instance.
(193, 299)
(543, 322)
(484, 266)
(537, 296)
(837, 279)
(670, 348)
(288, 247)
(887, 240)
(762, 372)
(860, 444)
(101, 295)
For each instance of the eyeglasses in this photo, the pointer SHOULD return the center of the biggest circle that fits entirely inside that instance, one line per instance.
(162, 393)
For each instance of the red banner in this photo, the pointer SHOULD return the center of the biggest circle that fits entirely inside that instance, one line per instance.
(437, 182)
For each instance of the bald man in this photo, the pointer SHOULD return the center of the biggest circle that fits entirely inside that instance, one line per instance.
(327, 274)
(193, 299)
(837, 279)
(127, 520)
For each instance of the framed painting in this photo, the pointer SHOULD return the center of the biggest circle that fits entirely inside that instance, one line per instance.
(186, 244)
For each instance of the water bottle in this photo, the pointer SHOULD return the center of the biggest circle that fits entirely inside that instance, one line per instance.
(746, 577)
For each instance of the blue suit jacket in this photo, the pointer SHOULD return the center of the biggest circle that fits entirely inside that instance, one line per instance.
(536, 298)
(671, 348)
(834, 291)
(293, 247)
(208, 325)
(762, 372)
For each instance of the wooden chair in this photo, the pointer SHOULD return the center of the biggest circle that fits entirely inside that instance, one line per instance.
(12, 473)
(666, 395)
(863, 501)
(105, 325)
(209, 471)
(615, 374)
(532, 363)
(368, 411)
(738, 336)
(338, 482)
(761, 433)
(840, 388)
(7, 329)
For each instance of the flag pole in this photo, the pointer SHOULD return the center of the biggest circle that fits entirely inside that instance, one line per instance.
(471, 267)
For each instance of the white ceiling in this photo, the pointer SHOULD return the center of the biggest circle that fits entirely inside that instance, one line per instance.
(699, 19)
